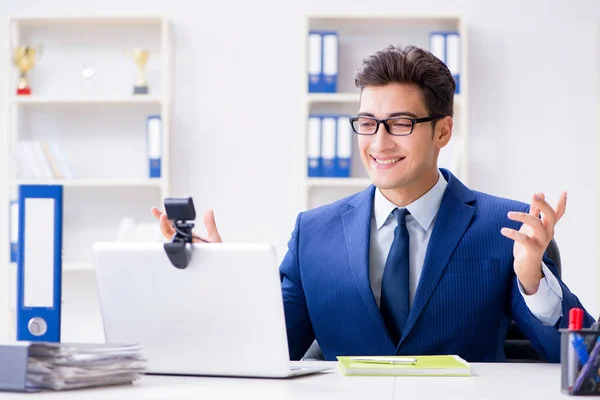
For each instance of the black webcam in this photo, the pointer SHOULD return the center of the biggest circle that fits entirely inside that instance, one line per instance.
(180, 210)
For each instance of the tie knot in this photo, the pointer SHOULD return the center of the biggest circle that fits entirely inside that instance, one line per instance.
(400, 215)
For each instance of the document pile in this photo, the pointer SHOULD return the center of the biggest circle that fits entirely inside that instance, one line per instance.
(60, 366)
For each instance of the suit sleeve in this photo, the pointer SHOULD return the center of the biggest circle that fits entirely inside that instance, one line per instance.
(299, 328)
(545, 339)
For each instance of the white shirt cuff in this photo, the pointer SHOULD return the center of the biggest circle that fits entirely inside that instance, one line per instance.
(546, 303)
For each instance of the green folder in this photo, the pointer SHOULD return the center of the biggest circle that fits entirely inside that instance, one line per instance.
(447, 365)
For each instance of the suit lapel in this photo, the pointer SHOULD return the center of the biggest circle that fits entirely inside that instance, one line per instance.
(453, 219)
(357, 232)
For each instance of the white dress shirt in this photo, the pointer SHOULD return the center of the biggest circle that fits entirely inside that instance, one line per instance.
(545, 304)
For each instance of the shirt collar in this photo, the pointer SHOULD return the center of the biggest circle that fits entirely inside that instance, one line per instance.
(423, 209)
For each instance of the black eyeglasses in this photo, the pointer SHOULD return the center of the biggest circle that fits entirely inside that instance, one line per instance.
(396, 126)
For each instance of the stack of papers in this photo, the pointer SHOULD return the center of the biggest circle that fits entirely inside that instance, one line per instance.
(450, 365)
(59, 366)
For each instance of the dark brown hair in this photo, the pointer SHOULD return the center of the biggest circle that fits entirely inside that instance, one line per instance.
(414, 65)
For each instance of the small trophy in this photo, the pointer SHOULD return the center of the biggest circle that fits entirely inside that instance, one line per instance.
(140, 57)
(24, 57)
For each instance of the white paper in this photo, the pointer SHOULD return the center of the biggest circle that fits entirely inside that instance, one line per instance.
(60, 366)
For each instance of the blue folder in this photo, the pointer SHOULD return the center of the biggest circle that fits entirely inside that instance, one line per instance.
(14, 230)
(314, 146)
(39, 263)
(154, 143)
(328, 145)
(343, 153)
(315, 62)
(330, 62)
(446, 47)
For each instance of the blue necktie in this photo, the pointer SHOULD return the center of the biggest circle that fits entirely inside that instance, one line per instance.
(395, 284)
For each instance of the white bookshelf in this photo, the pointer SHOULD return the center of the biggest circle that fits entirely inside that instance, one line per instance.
(22, 100)
(352, 183)
(74, 182)
(100, 126)
(360, 35)
(340, 98)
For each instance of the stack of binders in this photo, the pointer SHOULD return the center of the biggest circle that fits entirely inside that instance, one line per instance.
(446, 47)
(329, 146)
(322, 61)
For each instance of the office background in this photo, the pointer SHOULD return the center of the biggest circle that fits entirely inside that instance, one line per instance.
(237, 109)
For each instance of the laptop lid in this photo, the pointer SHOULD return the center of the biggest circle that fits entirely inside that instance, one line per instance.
(222, 315)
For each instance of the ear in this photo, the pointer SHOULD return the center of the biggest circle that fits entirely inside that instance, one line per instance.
(443, 132)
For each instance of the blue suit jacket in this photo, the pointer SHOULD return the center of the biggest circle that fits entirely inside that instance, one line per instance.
(466, 296)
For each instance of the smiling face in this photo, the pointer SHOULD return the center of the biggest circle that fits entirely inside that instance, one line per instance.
(402, 167)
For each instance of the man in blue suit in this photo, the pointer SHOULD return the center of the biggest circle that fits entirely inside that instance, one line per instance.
(417, 263)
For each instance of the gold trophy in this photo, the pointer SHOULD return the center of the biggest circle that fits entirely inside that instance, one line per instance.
(24, 57)
(140, 57)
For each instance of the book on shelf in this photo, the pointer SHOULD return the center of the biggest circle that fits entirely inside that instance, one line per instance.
(37, 159)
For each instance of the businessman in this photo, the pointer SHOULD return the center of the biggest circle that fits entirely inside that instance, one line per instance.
(417, 263)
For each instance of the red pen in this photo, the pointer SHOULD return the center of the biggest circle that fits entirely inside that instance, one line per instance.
(575, 319)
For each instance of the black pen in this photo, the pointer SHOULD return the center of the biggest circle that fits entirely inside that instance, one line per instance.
(384, 360)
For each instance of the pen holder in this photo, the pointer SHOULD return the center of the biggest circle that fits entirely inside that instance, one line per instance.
(580, 362)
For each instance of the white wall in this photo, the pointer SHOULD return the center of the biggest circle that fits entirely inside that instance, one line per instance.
(236, 131)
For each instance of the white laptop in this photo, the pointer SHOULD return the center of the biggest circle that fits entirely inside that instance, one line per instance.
(222, 315)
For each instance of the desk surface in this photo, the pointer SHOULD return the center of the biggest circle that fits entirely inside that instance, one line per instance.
(489, 381)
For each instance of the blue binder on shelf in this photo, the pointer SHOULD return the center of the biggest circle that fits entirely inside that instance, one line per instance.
(330, 62)
(314, 146)
(453, 57)
(39, 263)
(154, 145)
(343, 153)
(328, 145)
(437, 45)
(315, 62)
(14, 230)
(322, 61)
(446, 47)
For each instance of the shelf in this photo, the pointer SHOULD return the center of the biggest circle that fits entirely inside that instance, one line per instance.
(91, 182)
(384, 17)
(67, 266)
(142, 99)
(458, 99)
(78, 266)
(68, 20)
(333, 98)
(352, 98)
(339, 182)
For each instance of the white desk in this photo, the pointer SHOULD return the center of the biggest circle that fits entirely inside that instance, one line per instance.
(490, 381)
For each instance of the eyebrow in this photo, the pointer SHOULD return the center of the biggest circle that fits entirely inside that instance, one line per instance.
(391, 115)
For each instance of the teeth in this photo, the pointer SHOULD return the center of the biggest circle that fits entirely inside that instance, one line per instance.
(395, 160)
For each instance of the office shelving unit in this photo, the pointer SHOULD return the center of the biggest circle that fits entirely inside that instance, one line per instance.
(100, 126)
